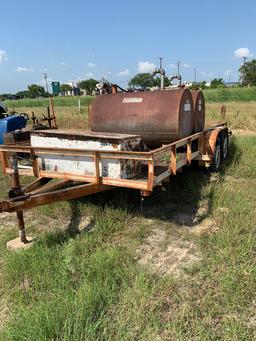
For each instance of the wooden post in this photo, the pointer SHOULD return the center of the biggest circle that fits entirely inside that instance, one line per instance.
(16, 186)
(53, 113)
(189, 152)
(173, 160)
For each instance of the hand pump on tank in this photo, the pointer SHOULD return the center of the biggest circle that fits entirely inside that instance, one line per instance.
(160, 71)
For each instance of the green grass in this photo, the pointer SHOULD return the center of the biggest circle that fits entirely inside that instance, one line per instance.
(70, 101)
(89, 286)
(230, 94)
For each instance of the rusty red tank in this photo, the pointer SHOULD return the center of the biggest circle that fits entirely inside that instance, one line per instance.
(199, 110)
(158, 116)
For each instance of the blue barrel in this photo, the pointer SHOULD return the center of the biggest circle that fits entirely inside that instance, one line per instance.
(9, 124)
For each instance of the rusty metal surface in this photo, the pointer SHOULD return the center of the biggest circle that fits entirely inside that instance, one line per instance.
(158, 116)
(199, 110)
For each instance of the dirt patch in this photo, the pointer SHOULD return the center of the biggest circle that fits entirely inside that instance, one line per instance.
(243, 132)
(4, 312)
(233, 179)
(251, 320)
(167, 255)
(207, 225)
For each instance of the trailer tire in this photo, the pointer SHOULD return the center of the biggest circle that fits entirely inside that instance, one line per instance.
(216, 160)
(224, 146)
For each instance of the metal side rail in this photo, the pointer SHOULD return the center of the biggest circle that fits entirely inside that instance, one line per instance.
(30, 200)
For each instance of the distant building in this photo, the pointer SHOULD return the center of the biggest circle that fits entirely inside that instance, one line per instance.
(75, 89)
(230, 84)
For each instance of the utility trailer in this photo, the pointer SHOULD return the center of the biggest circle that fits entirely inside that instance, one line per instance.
(147, 169)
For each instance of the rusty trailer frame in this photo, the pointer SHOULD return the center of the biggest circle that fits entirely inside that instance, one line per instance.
(159, 163)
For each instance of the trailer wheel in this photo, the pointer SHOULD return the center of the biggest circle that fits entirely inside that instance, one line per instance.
(224, 147)
(216, 160)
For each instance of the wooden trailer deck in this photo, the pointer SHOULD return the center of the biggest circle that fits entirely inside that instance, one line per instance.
(156, 166)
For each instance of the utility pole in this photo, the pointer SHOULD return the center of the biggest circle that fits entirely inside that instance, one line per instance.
(51, 105)
(178, 67)
(46, 83)
(244, 58)
(178, 70)
(161, 62)
(195, 75)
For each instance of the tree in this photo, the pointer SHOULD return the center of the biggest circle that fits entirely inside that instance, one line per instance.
(64, 88)
(23, 94)
(217, 83)
(198, 85)
(89, 85)
(248, 73)
(36, 91)
(142, 81)
(3, 97)
(157, 81)
(146, 80)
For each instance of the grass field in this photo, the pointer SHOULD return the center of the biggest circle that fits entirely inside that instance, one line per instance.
(241, 115)
(211, 95)
(183, 269)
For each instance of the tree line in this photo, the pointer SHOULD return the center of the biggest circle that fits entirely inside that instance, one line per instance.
(140, 81)
(38, 91)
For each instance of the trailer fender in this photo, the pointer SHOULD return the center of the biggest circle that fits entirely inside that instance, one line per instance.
(210, 139)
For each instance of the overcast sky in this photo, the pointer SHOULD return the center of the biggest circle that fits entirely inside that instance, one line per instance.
(73, 40)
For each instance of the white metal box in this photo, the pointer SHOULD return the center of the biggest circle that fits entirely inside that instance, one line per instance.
(86, 140)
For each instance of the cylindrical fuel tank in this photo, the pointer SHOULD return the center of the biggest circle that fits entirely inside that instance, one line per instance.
(199, 110)
(158, 116)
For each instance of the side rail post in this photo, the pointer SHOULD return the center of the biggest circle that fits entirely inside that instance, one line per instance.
(16, 189)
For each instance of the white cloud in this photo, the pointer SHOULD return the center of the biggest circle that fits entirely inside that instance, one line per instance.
(173, 66)
(145, 67)
(89, 75)
(3, 56)
(59, 63)
(91, 64)
(123, 73)
(23, 69)
(186, 65)
(243, 52)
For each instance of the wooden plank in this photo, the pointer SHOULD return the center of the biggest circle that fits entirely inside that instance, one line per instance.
(124, 155)
(67, 176)
(3, 162)
(51, 197)
(35, 184)
(181, 164)
(173, 164)
(150, 175)
(136, 184)
(35, 165)
(24, 172)
(195, 154)
(52, 186)
(37, 151)
(97, 167)
(189, 152)
(181, 142)
(161, 177)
